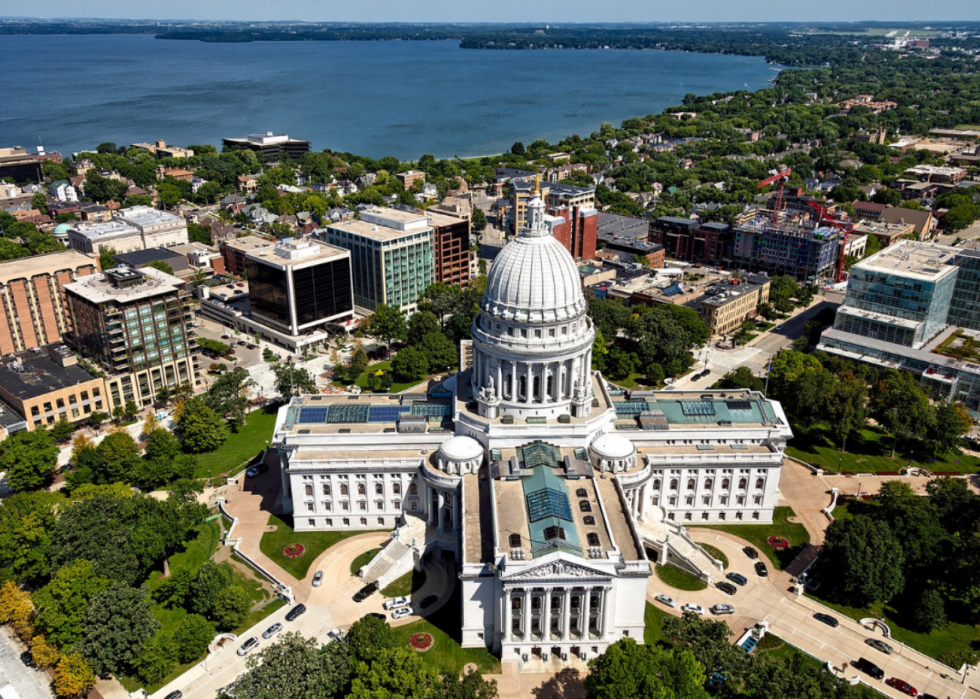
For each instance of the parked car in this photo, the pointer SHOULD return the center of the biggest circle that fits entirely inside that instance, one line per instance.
(272, 631)
(176, 694)
(250, 346)
(751, 552)
(318, 579)
(720, 609)
(428, 601)
(27, 658)
(396, 602)
(878, 644)
(335, 634)
(365, 592)
(665, 600)
(826, 619)
(737, 579)
(295, 612)
(249, 645)
(694, 608)
(252, 472)
(869, 668)
(726, 587)
(902, 686)
(761, 570)
(402, 612)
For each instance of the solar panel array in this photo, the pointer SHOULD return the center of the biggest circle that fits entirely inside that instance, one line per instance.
(631, 407)
(739, 404)
(548, 502)
(312, 416)
(386, 413)
(348, 413)
(697, 407)
(431, 409)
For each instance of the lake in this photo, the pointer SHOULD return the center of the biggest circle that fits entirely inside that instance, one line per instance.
(400, 98)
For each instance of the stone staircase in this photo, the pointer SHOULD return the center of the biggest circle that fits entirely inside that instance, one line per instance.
(399, 554)
(681, 549)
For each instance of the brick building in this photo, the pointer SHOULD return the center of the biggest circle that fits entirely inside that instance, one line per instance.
(692, 241)
(577, 230)
(452, 248)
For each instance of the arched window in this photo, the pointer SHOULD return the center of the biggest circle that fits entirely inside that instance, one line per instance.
(361, 489)
(759, 482)
(708, 482)
(413, 489)
(515, 541)
(593, 539)
(691, 483)
(585, 506)
(515, 603)
(725, 483)
(555, 602)
(581, 493)
(673, 484)
(589, 519)
(656, 484)
(742, 482)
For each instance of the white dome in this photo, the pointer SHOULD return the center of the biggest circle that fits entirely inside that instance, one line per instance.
(612, 446)
(461, 449)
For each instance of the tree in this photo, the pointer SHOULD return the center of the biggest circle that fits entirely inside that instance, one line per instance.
(742, 377)
(368, 637)
(899, 404)
(62, 603)
(192, 637)
(62, 430)
(118, 622)
(292, 380)
(43, 653)
(518, 149)
(130, 410)
(421, 324)
(207, 585)
(160, 265)
(395, 673)
(929, 612)
(296, 667)
(97, 418)
(73, 677)
(439, 351)
(107, 257)
(230, 608)
(29, 458)
(202, 429)
(26, 524)
(358, 363)
(16, 609)
(628, 669)
(162, 445)
(387, 323)
(156, 659)
(846, 407)
(862, 561)
(228, 396)
(950, 422)
(118, 457)
(410, 365)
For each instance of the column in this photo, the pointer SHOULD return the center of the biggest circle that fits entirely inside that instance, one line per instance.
(606, 616)
(499, 384)
(440, 516)
(430, 509)
(527, 615)
(457, 511)
(566, 622)
(546, 615)
(586, 606)
(529, 386)
(513, 381)
(508, 615)
(556, 382)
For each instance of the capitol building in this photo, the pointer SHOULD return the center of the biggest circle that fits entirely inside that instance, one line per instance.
(551, 491)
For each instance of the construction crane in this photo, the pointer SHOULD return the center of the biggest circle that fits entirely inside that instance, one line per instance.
(823, 216)
(782, 176)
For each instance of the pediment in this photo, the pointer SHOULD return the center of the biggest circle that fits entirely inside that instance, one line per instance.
(556, 570)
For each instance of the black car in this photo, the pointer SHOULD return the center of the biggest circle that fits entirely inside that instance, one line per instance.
(761, 570)
(365, 592)
(826, 619)
(27, 658)
(176, 694)
(737, 578)
(868, 667)
(750, 552)
(727, 588)
(428, 601)
(295, 612)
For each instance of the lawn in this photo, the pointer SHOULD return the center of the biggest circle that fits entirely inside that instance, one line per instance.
(679, 579)
(273, 543)
(653, 620)
(868, 451)
(716, 553)
(756, 534)
(446, 654)
(405, 585)
(362, 560)
(385, 367)
(241, 447)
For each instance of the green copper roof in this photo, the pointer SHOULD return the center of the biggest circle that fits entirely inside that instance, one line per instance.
(548, 511)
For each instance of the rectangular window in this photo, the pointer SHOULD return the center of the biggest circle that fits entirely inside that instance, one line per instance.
(312, 522)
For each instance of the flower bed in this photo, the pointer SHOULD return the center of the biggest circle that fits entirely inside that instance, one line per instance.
(294, 551)
(777, 542)
(421, 642)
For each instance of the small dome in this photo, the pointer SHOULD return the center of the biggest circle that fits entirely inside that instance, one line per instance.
(62, 229)
(612, 446)
(461, 449)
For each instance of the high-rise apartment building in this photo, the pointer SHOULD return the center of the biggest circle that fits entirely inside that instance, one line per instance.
(451, 236)
(133, 323)
(392, 256)
(555, 195)
(33, 312)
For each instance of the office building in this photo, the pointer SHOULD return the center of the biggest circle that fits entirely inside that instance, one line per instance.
(392, 256)
(298, 286)
(451, 235)
(269, 144)
(543, 485)
(729, 305)
(47, 385)
(157, 228)
(133, 324)
(135, 228)
(886, 233)
(795, 246)
(555, 194)
(33, 311)
(234, 252)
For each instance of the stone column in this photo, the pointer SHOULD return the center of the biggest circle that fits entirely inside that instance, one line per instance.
(606, 616)
(526, 620)
(499, 378)
(457, 511)
(529, 386)
(586, 606)
(513, 380)
(440, 513)
(508, 615)
(556, 382)
(546, 615)
(566, 622)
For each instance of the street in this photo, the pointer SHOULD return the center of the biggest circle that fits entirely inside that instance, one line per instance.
(30, 683)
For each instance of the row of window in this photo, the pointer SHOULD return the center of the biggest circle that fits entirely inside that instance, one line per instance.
(346, 521)
(345, 505)
(379, 489)
(706, 500)
(743, 483)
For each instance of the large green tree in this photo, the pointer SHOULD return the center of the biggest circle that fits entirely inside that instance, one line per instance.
(387, 324)
(228, 396)
(118, 457)
(118, 621)
(862, 561)
(292, 380)
(899, 404)
(295, 666)
(201, 428)
(410, 364)
(62, 603)
(846, 407)
(29, 458)
(627, 670)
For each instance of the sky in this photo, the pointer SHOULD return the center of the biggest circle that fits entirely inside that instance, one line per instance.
(504, 10)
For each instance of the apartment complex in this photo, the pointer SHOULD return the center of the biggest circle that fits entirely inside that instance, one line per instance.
(135, 228)
(886, 233)
(451, 235)
(269, 144)
(902, 304)
(297, 286)
(689, 240)
(33, 311)
(801, 249)
(392, 256)
(134, 325)
(47, 385)
(575, 227)
(725, 309)
(556, 196)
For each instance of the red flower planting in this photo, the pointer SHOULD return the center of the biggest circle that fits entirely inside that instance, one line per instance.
(421, 642)
(294, 551)
(777, 542)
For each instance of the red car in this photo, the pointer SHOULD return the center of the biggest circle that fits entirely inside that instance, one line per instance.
(902, 686)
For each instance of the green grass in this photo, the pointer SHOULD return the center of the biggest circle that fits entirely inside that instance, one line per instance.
(868, 451)
(967, 127)
(775, 647)
(273, 543)
(385, 367)
(717, 554)
(405, 585)
(679, 579)
(446, 654)
(362, 560)
(241, 447)
(653, 620)
(756, 534)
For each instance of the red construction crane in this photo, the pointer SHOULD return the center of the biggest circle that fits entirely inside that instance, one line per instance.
(844, 228)
(782, 176)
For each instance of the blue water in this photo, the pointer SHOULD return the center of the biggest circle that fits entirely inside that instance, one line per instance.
(372, 98)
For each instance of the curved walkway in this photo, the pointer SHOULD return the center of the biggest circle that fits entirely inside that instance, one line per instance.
(790, 617)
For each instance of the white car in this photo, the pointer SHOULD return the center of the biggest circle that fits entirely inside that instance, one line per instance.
(667, 601)
(402, 612)
(396, 602)
(249, 645)
(318, 579)
(695, 608)
(335, 634)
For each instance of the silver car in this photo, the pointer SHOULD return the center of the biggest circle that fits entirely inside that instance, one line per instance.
(272, 631)
(249, 645)
(318, 579)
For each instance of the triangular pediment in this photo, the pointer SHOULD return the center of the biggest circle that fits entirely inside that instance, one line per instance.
(556, 569)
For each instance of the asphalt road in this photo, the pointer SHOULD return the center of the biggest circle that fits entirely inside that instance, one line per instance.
(29, 682)
(782, 335)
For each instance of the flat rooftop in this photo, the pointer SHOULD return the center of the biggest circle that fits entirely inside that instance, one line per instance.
(289, 253)
(922, 261)
(34, 374)
(103, 230)
(618, 225)
(248, 243)
(27, 267)
(97, 288)
(661, 410)
(372, 231)
(367, 413)
(148, 216)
